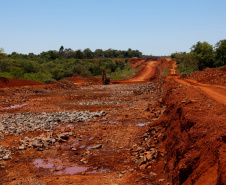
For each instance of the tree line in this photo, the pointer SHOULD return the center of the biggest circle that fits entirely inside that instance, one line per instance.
(202, 55)
(55, 65)
(68, 53)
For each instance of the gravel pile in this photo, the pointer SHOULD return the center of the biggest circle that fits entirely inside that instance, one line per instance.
(144, 88)
(65, 85)
(19, 122)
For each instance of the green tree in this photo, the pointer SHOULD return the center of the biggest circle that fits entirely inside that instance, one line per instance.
(79, 54)
(68, 53)
(2, 54)
(98, 53)
(204, 54)
(57, 73)
(220, 53)
(88, 53)
(17, 72)
(61, 51)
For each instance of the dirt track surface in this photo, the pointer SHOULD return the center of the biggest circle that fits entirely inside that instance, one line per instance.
(171, 131)
(148, 70)
(215, 92)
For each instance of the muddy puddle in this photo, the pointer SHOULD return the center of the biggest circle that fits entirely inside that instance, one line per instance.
(142, 124)
(15, 106)
(40, 163)
(59, 168)
(110, 122)
(72, 170)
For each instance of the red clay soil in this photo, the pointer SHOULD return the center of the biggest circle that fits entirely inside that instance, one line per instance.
(168, 65)
(136, 63)
(84, 80)
(11, 82)
(210, 76)
(171, 132)
(195, 135)
(148, 69)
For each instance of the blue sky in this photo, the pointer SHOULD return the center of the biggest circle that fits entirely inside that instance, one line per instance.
(153, 27)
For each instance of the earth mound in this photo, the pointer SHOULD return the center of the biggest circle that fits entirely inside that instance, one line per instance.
(135, 63)
(210, 76)
(79, 80)
(65, 85)
(11, 82)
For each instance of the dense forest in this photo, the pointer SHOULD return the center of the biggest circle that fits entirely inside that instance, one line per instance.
(202, 55)
(54, 65)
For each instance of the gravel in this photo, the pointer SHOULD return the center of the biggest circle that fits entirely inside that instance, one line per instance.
(20, 122)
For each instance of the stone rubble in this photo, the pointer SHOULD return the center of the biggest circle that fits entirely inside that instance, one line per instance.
(144, 88)
(21, 122)
(149, 152)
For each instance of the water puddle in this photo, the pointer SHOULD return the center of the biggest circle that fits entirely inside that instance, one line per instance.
(15, 106)
(72, 170)
(83, 146)
(97, 171)
(39, 163)
(110, 122)
(64, 168)
(141, 124)
(113, 122)
(70, 126)
(74, 143)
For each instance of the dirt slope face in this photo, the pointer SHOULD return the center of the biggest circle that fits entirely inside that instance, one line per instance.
(10, 82)
(195, 135)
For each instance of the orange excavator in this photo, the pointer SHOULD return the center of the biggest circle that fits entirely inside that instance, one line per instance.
(105, 79)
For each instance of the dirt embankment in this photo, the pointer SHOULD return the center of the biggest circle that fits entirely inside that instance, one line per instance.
(84, 80)
(11, 82)
(194, 136)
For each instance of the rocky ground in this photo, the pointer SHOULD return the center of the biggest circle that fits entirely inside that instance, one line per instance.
(101, 142)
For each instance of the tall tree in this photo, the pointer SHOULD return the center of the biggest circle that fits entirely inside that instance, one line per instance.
(68, 53)
(220, 53)
(2, 54)
(61, 51)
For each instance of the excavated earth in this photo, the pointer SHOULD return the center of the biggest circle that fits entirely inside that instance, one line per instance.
(167, 130)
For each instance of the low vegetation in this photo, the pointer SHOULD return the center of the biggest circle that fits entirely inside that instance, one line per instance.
(55, 65)
(202, 55)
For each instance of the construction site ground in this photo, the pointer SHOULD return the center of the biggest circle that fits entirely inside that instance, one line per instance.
(150, 129)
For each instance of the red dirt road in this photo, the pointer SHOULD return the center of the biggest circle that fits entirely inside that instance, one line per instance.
(148, 71)
(215, 92)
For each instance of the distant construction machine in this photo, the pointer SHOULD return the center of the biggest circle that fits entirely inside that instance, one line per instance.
(105, 79)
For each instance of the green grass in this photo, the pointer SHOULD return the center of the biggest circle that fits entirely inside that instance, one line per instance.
(166, 72)
(126, 73)
(123, 74)
(6, 75)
